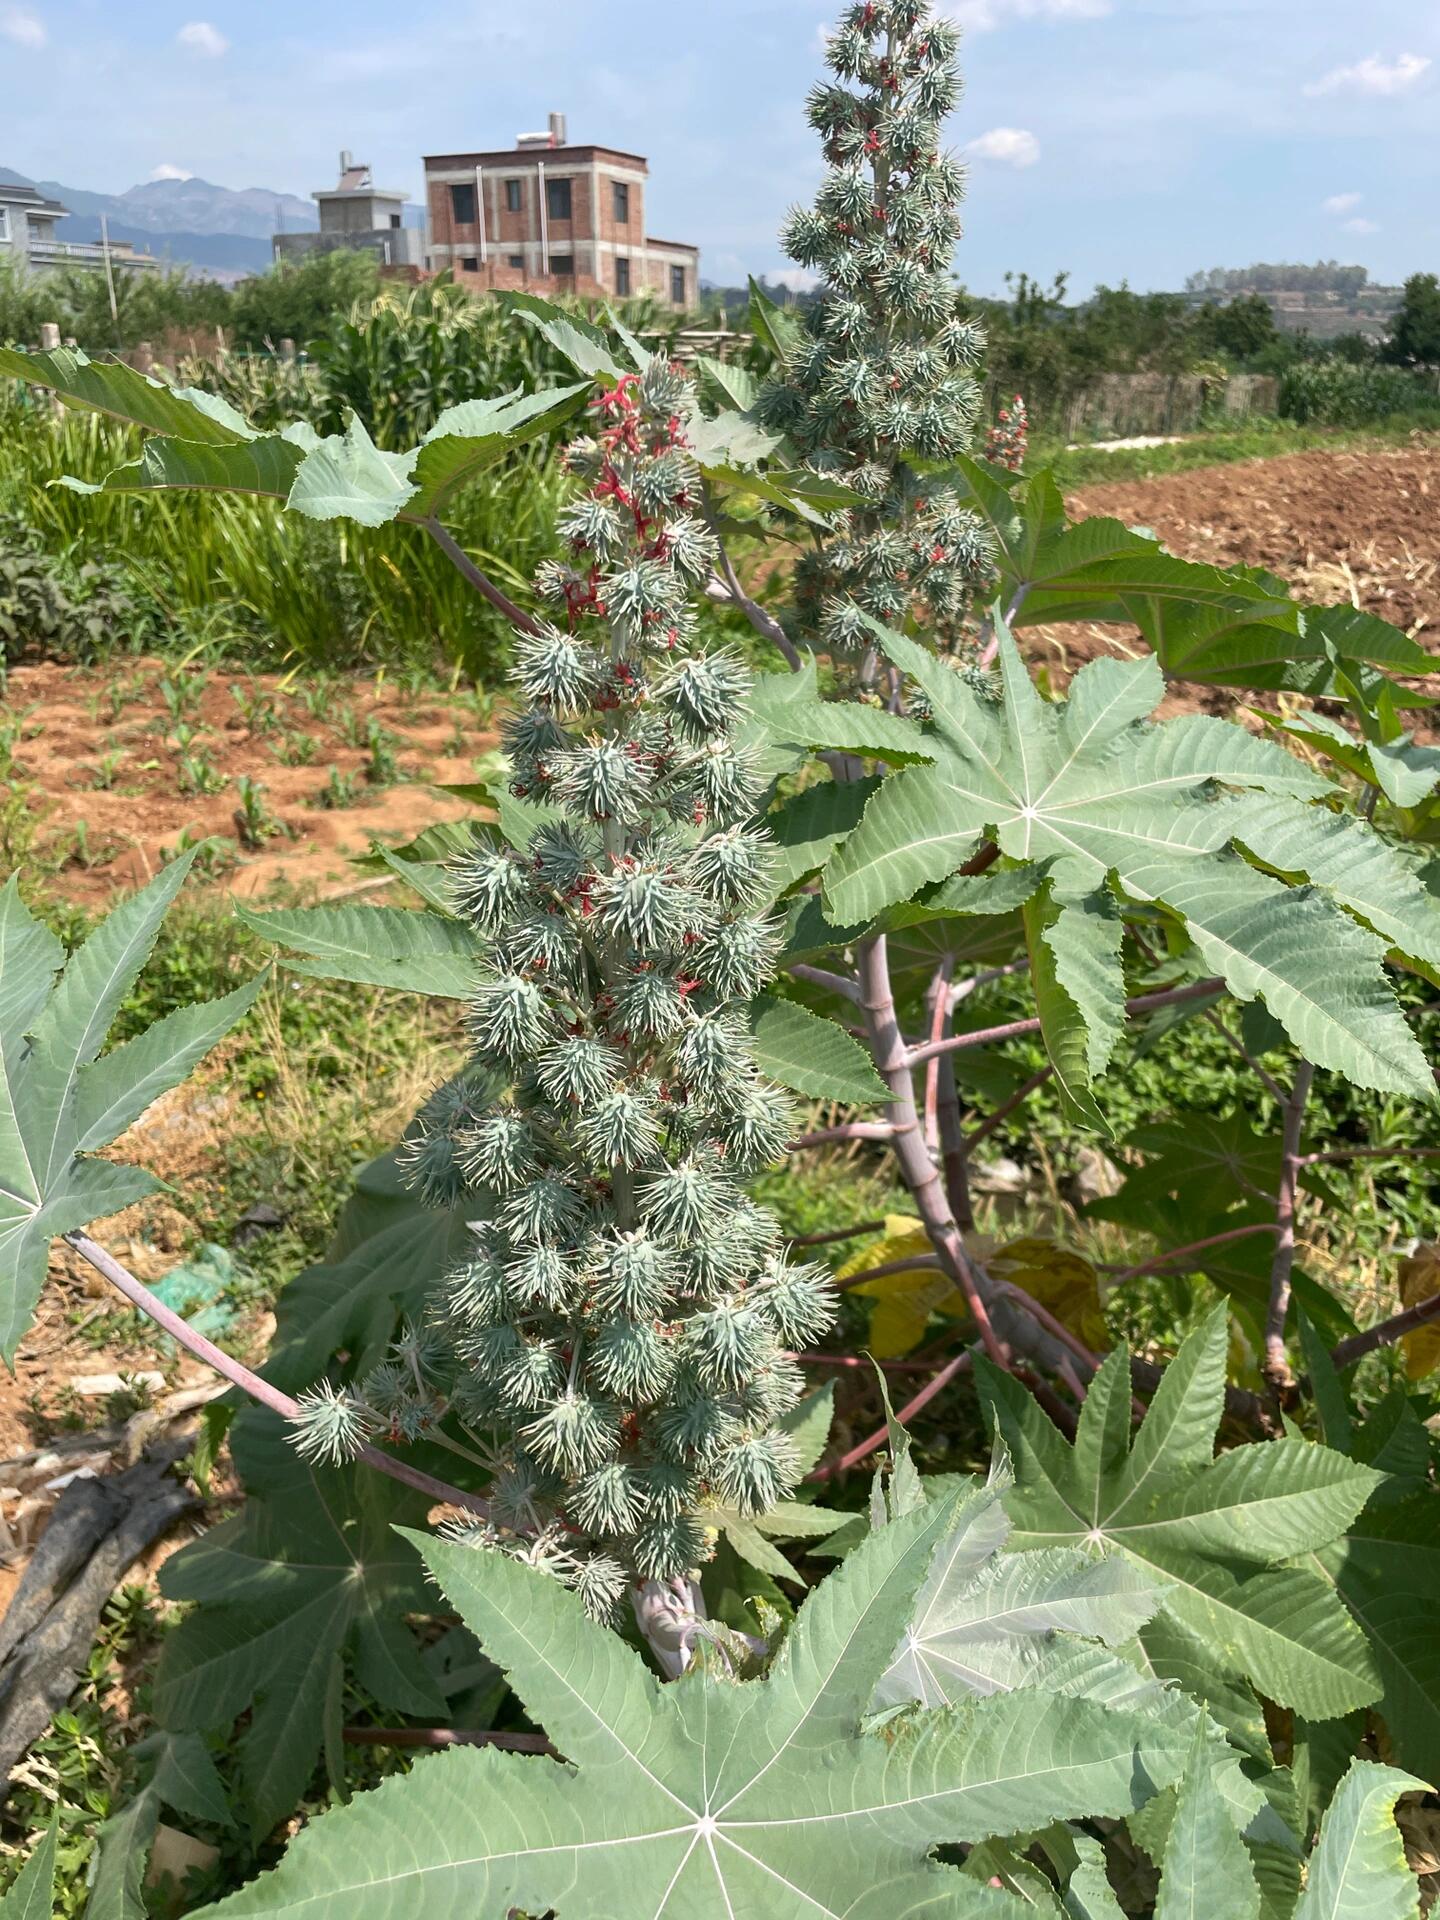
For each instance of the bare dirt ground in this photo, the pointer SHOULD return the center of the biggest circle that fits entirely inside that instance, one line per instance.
(1360, 525)
(101, 762)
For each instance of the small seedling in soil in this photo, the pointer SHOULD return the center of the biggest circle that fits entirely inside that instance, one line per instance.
(295, 749)
(182, 694)
(348, 724)
(256, 709)
(216, 854)
(254, 821)
(81, 853)
(105, 771)
(316, 695)
(339, 791)
(382, 769)
(197, 773)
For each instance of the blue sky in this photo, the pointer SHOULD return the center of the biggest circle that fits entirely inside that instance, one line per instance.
(1133, 139)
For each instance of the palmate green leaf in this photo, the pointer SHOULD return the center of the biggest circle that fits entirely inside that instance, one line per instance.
(1211, 1529)
(811, 824)
(984, 1623)
(380, 946)
(1091, 788)
(1230, 627)
(1205, 1870)
(1079, 987)
(313, 1564)
(187, 1779)
(1358, 1870)
(1387, 1570)
(57, 1100)
(789, 707)
(467, 439)
(31, 1895)
(109, 386)
(711, 1799)
(581, 343)
(122, 1849)
(811, 1055)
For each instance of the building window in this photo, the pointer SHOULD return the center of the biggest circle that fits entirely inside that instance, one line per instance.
(563, 265)
(557, 199)
(4, 223)
(514, 195)
(677, 286)
(394, 219)
(515, 260)
(622, 276)
(462, 205)
(622, 202)
(471, 263)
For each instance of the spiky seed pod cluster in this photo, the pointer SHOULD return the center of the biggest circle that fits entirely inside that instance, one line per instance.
(883, 378)
(614, 1348)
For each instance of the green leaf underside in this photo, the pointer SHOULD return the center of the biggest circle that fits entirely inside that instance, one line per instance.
(1358, 1870)
(376, 946)
(57, 1100)
(1205, 1871)
(1093, 790)
(811, 1055)
(707, 1799)
(1212, 1530)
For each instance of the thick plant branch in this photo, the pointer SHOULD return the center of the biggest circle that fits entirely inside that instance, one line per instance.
(1276, 1366)
(481, 582)
(851, 1130)
(1386, 1332)
(1159, 1260)
(821, 977)
(1012, 1029)
(960, 1364)
(239, 1375)
(887, 1045)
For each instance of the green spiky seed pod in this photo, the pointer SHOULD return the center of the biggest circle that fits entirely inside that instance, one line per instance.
(615, 1344)
(883, 378)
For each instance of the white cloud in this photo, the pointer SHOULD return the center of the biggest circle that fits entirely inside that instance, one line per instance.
(1341, 202)
(198, 36)
(1010, 146)
(1362, 226)
(1374, 76)
(168, 171)
(979, 16)
(26, 29)
(794, 279)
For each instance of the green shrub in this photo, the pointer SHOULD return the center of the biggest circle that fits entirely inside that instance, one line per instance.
(1339, 393)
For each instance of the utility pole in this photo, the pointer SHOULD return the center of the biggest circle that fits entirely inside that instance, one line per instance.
(109, 276)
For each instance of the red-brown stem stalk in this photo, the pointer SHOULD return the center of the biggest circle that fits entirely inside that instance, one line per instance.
(239, 1375)
(1385, 1332)
(1276, 1366)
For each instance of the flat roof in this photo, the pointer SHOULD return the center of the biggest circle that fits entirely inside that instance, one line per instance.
(683, 246)
(526, 156)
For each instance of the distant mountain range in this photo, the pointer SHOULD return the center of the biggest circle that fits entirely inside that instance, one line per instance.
(220, 231)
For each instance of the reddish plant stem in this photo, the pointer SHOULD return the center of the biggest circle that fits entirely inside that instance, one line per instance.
(1012, 1029)
(1194, 1246)
(1335, 1154)
(866, 1361)
(937, 998)
(837, 1233)
(1385, 1332)
(832, 1136)
(1055, 1327)
(960, 1364)
(1276, 1366)
(447, 1737)
(887, 1045)
(954, 1145)
(239, 1375)
(992, 645)
(1002, 1113)
(481, 582)
(822, 977)
(912, 1263)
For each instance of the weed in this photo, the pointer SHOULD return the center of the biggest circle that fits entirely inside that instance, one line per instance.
(381, 767)
(295, 749)
(339, 791)
(254, 821)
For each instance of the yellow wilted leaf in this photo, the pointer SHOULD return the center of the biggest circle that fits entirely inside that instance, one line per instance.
(1063, 1281)
(1420, 1280)
(903, 1301)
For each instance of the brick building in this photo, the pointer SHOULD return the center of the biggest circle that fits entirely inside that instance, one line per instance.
(553, 218)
